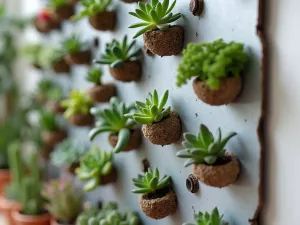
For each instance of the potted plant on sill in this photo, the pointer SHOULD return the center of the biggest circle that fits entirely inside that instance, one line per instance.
(161, 126)
(61, 9)
(77, 51)
(67, 154)
(45, 22)
(99, 92)
(96, 168)
(123, 134)
(122, 60)
(158, 200)
(217, 68)
(99, 16)
(213, 218)
(211, 163)
(159, 36)
(78, 107)
(33, 54)
(64, 201)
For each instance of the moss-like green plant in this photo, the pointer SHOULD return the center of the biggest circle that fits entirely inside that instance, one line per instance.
(56, 4)
(155, 15)
(150, 182)
(113, 120)
(78, 103)
(203, 147)
(93, 165)
(213, 218)
(94, 75)
(92, 8)
(48, 121)
(211, 62)
(73, 44)
(152, 110)
(116, 53)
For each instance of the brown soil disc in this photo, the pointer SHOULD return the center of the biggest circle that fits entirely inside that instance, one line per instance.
(102, 93)
(103, 21)
(79, 58)
(129, 71)
(134, 142)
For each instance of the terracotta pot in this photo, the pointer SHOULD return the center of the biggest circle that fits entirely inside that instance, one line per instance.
(45, 26)
(222, 174)
(79, 58)
(7, 207)
(129, 71)
(102, 93)
(53, 138)
(227, 93)
(64, 12)
(109, 178)
(165, 132)
(158, 208)
(61, 67)
(71, 169)
(103, 21)
(20, 219)
(82, 120)
(134, 142)
(55, 107)
(4, 179)
(165, 42)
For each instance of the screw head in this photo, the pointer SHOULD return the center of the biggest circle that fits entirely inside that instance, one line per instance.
(192, 184)
(196, 7)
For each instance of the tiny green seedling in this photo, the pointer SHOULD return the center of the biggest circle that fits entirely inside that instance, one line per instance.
(94, 75)
(213, 218)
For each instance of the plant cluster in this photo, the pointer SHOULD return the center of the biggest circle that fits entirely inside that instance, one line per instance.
(50, 56)
(73, 44)
(94, 75)
(93, 165)
(152, 111)
(204, 147)
(116, 53)
(211, 62)
(49, 90)
(48, 121)
(33, 52)
(155, 15)
(213, 218)
(56, 4)
(150, 182)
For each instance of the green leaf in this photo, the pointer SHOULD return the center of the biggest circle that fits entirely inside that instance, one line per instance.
(210, 159)
(154, 3)
(226, 139)
(117, 64)
(143, 120)
(144, 30)
(140, 191)
(155, 98)
(190, 138)
(154, 182)
(123, 140)
(163, 100)
(158, 118)
(165, 6)
(171, 8)
(205, 135)
(183, 154)
(143, 15)
(138, 25)
(154, 16)
(117, 52)
(107, 168)
(134, 14)
(91, 184)
(159, 10)
(154, 110)
(97, 130)
(190, 162)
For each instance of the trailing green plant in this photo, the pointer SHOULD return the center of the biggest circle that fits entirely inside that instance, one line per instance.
(155, 15)
(116, 53)
(150, 182)
(211, 62)
(73, 44)
(213, 218)
(93, 165)
(64, 200)
(33, 53)
(92, 8)
(152, 111)
(48, 121)
(56, 4)
(203, 147)
(94, 75)
(113, 120)
(77, 103)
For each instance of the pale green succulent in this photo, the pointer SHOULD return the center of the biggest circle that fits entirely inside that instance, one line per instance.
(213, 218)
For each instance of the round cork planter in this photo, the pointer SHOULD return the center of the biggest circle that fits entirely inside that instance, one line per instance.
(61, 67)
(79, 58)
(21, 219)
(165, 132)
(4, 179)
(227, 93)
(165, 42)
(160, 206)
(104, 21)
(64, 12)
(109, 178)
(129, 71)
(134, 141)
(7, 207)
(52, 138)
(55, 107)
(102, 93)
(45, 26)
(222, 174)
(82, 120)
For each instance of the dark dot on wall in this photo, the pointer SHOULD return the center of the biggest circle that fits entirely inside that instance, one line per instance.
(210, 113)
(194, 209)
(196, 114)
(197, 34)
(245, 120)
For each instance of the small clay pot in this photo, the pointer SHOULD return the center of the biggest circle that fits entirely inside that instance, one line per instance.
(165, 132)
(227, 93)
(109, 178)
(129, 71)
(53, 138)
(103, 21)
(7, 207)
(61, 67)
(102, 93)
(55, 107)
(165, 42)
(79, 58)
(71, 169)
(21, 219)
(159, 207)
(4, 179)
(64, 12)
(82, 120)
(134, 141)
(222, 174)
(45, 26)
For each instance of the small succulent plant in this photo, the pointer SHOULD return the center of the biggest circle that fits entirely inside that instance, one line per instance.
(93, 165)
(63, 200)
(73, 44)
(94, 75)
(150, 182)
(211, 62)
(213, 218)
(48, 90)
(56, 4)
(48, 121)
(152, 111)
(155, 15)
(92, 8)
(113, 120)
(203, 147)
(116, 53)
(78, 103)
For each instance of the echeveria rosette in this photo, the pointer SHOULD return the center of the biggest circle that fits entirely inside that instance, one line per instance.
(213, 218)
(73, 44)
(152, 110)
(203, 147)
(150, 182)
(94, 75)
(211, 62)
(93, 165)
(116, 53)
(154, 15)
